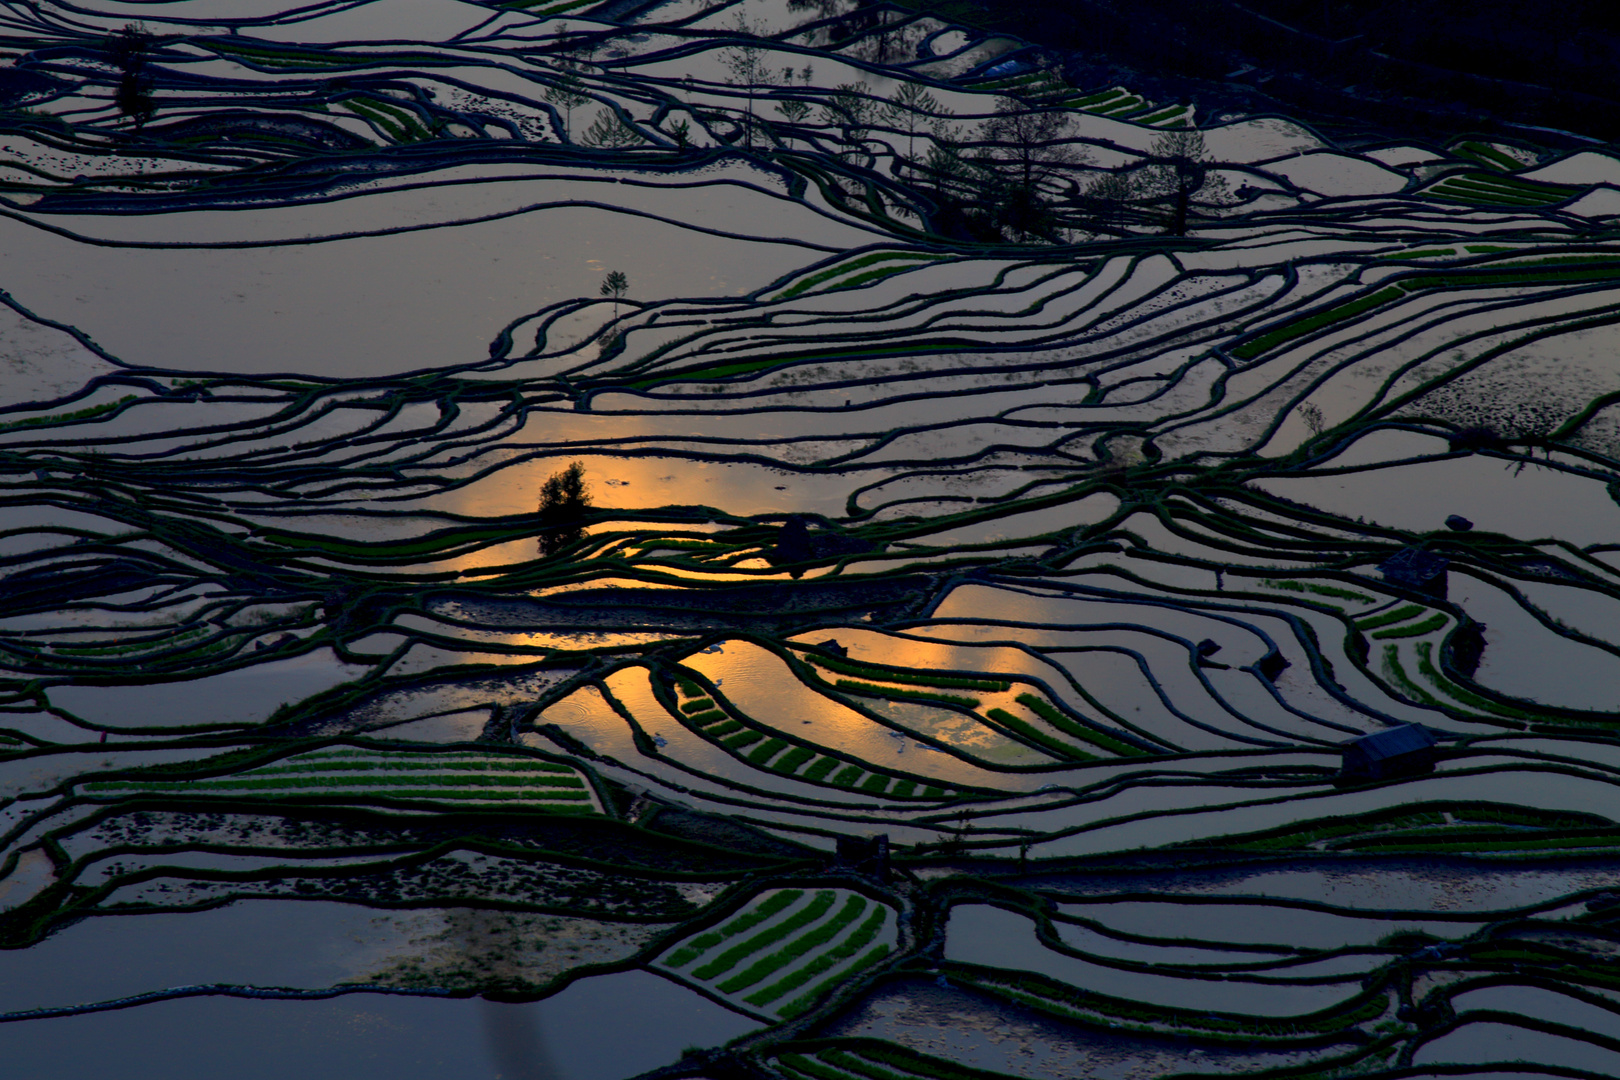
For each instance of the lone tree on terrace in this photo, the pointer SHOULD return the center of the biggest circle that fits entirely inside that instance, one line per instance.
(564, 499)
(616, 284)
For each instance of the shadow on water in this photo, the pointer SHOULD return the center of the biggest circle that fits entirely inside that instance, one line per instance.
(517, 1047)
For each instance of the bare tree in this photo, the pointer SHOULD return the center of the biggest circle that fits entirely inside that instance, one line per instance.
(569, 93)
(909, 110)
(1034, 137)
(746, 62)
(609, 131)
(851, 108)
(1178, 171)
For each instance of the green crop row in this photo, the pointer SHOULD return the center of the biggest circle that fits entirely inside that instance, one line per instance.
(1050, 996)
(744, 738)
(821, 768)
(1398, 821)
(1400, 614)
(1425, 654)
(847, 776)
(452, 794)
(1486, 153)
(1284, 334)
(741, 924)
(906, 695)
(794, 758)
(306, 766)
(1320, 590)
(910, 678)
(1432, 623)
(380, 784)
(887, 1062)
(67, 418)
(462, 756)
(803, 1002)
(860, 939)
(1030, 733)
(1097, 98)
(831, 272)
(698, 706)
(767, 750)
(811, 912)
(1066, 724)
(815, 938)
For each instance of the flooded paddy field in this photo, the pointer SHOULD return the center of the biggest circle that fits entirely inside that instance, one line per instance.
(754, 538)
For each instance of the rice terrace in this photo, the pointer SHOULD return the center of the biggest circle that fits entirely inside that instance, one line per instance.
(793, 540)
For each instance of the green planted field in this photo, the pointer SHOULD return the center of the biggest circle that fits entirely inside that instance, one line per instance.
(786, 949)
(462, 779)
(829, 523)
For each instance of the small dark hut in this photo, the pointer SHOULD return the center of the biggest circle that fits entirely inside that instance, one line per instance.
(796, 542)
(1408, 750)
(868, 857)
(1465, 647)
(1416, 569)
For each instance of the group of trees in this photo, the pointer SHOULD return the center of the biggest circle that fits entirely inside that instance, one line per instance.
(1025, 178)
(128, 50)
(1018, 175)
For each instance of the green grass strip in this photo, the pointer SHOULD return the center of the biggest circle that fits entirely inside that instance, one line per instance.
(698, 706)
(1030, 733)
(828, 960)
(910, 678)
(742, 739)
(877, 784)
(1432, 623)
(1400, 614)
(1283, 334)
(820, 768)
(729, 959)
(914, 257)
(1321, 590)
(814, 939)
(741, 924)
(380, 784)
(847, 776)
(1066, 724)
(1397, 675)
(906, 695)
(803, 1003)
(769, 749)
(704, 719)
(790, 761)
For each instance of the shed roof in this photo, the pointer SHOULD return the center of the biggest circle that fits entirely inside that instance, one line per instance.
(1392, 742)
(1413, 566)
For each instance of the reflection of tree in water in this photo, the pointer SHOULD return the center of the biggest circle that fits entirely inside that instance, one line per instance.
(516, 1046)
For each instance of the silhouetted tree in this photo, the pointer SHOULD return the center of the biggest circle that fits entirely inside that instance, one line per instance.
(128, 49)
(569, 92)
(616, 284)
(907, 111)
(746, 62)
(564, 499)
(1033, 137)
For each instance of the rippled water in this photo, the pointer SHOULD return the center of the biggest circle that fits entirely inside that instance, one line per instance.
(1001, 498)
